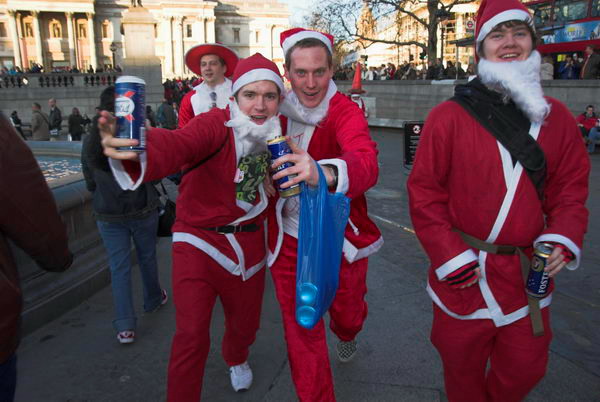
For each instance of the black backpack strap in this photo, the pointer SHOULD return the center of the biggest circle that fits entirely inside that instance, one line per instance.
(511, 130)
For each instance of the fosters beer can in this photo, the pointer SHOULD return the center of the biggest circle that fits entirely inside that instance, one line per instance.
(130, 110)
(278, 147)
(538, 280)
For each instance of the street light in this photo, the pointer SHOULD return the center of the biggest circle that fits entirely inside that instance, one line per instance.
(113, 49)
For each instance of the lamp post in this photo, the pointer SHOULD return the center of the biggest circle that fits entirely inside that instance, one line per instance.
(113, 49)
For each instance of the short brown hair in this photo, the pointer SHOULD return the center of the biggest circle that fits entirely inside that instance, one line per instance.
(306, 43)
(511, 24)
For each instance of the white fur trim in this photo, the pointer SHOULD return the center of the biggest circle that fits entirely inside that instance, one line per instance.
(343, 180)
(258, 74)
(565, 241)
(455, 263)
(121, 175)
(512, 176)
(273, 256)
(290, 41)
(508, 15)
(215, 254)
(352, 254)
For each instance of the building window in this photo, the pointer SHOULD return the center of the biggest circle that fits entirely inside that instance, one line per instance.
(81, 30)
(257, 35)
(55, 29)
(236, 35)
(105, 30)
(596, 8)
(28, 28)
(188, 30)
(2, 30)
(570, 10)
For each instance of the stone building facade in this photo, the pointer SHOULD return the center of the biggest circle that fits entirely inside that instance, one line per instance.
(83, 33)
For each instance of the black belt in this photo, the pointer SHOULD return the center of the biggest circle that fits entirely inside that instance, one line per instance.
(251, 227)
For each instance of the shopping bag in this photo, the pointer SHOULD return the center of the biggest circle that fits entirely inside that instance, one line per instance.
(323, 219)
(166, 214)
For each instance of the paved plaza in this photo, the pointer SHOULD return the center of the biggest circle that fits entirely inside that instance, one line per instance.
(77, 358)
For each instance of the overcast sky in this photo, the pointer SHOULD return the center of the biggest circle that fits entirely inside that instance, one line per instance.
(298, 9)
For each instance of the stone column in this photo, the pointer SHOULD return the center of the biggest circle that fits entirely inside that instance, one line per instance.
(39, 55)
(210, 30)
(178, 54)
(71, 37)
(14, 36)
(200, 29)
(168, 30)
(92, 40)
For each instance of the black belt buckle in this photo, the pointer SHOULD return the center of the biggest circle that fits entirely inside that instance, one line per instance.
(228, 229)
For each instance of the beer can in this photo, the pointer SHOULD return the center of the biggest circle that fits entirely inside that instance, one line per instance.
(538, 280)
(279, 147)
(130, 110)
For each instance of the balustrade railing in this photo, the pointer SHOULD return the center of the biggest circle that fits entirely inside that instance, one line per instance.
(57, 80)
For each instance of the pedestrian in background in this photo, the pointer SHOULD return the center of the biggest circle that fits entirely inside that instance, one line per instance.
(591, 65)
(40, 130)
(568, 69)
(150, 116)
(54, 120)
(123, 216)
(30, 219)
(587, 120)
(547, 69)
(16, 122)
(166, 115)
(76, 123)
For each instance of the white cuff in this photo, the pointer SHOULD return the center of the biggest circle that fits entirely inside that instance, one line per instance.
(556, 238)
(121, 175)
(343, 180)
(455, 263)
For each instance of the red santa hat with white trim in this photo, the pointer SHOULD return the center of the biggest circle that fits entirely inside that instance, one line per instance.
(292, 36)
(494, 12)
(256, 68)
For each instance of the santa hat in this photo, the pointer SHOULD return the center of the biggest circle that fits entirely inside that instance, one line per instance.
(494, 12)
(292, 36)
(255, 68)
(356, 82)
(194, 55)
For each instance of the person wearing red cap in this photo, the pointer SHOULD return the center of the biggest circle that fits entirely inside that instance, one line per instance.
(356, 91)
(218, 237)
(214, 63)
(323, 125)
(500, 169)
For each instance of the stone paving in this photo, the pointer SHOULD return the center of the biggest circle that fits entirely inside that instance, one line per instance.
(77, 357)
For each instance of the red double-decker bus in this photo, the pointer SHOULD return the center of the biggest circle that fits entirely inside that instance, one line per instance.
(566, 26)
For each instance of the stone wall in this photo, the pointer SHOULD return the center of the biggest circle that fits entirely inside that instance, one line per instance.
(72, 90)
(412, 100)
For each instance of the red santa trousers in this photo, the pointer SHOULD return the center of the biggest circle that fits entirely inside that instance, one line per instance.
(307, 348)
(197, 281)
(517, 359)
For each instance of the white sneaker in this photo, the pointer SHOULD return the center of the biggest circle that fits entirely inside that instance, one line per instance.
(126, 337)
(241, 377)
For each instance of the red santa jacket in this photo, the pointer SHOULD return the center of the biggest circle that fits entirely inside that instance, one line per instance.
(464, 179)
(207, 194)
(197, 101)
(341, 139)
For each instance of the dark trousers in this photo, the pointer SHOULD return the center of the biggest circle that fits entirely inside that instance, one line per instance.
(8, 379)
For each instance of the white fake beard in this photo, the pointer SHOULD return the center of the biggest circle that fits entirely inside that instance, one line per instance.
(251, 137)
(519, 80)
(294, 109)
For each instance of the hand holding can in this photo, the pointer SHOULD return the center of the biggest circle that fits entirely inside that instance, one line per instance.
(130, 110)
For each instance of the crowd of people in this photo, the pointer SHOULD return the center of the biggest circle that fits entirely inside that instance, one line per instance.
(571, 67)
(36, 68)
(479, 219)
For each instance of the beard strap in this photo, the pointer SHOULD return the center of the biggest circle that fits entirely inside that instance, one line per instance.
(508, 125)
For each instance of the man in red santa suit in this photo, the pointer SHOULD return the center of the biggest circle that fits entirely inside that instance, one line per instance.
(480, 205)
(219, 245)
(214, 63)
(323, 125)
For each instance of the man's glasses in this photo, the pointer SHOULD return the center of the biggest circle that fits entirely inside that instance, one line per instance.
(213, 99)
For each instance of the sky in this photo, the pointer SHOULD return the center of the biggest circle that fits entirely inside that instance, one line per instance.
(298, 9)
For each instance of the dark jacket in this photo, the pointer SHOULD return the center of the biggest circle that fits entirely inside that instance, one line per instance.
(28, 217)
(76, 126)
(591, 67)
(55, 118)
(110, 202)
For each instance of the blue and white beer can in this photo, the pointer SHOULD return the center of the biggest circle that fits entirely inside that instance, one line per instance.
(538, 280)
(130, 110)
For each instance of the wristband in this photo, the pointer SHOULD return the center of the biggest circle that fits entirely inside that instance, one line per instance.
(334, 172)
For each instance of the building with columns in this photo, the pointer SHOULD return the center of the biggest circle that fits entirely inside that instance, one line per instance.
(63, 33)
